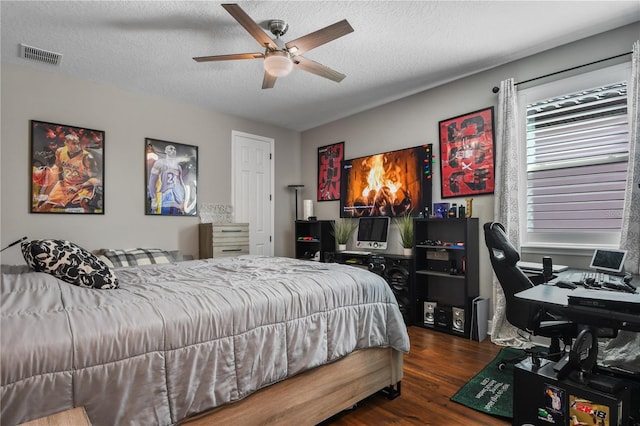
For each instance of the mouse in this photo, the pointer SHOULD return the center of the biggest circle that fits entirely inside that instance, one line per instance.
(566, 284)
(590, 281)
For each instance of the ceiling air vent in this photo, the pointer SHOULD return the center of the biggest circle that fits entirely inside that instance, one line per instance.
(40, 55)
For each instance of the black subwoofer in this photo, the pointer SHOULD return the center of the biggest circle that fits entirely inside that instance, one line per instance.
(398, 276)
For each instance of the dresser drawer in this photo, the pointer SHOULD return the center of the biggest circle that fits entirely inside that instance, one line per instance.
(223, 239)
(231, 233)
(230, 250)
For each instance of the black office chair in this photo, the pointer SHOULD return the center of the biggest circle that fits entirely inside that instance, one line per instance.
(524, 315)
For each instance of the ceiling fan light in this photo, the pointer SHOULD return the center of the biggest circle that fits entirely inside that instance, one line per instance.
(278, 64)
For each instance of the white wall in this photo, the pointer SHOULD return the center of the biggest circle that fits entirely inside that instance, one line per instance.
(414, 121)
(127, 118)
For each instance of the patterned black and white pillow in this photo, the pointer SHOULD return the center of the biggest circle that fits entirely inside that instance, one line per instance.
(68, 262)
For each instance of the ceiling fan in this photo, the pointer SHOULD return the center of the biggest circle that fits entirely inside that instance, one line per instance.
(280, 57)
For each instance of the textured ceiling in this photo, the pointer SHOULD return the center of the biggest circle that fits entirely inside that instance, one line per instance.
(398, 47)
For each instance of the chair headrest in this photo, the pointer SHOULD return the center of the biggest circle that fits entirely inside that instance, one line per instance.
(500, 248)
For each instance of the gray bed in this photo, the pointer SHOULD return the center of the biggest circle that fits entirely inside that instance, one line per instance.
(179, 339)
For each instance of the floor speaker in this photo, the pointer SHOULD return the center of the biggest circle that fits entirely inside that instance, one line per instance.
(430, 313)
(398, 276)
(443, 316)
(457, 320)
(396, 271)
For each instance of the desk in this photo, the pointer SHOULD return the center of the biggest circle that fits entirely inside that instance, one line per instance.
(557, 299)
(531, 384)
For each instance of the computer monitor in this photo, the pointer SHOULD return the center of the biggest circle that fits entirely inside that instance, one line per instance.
(609, 261)
(372, 232)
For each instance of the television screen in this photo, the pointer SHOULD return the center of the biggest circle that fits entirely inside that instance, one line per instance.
(388, 184)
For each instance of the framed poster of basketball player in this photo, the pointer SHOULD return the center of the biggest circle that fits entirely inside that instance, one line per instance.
(467, 160)
(67, 169)
(171, 177)
(329, 159)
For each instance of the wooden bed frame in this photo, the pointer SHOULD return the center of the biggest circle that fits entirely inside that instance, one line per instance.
(315, 395)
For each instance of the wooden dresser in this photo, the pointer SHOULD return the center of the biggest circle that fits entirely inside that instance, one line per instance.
(223, 239)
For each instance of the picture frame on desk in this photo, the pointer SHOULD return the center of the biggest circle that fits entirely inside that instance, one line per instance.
(441, 210)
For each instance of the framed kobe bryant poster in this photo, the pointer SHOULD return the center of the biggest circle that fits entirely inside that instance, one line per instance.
(171, 177)
(467, 154)
(67, 169)
(329, 166)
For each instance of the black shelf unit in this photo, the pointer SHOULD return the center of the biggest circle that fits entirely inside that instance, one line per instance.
(314, 236)
(446, 266)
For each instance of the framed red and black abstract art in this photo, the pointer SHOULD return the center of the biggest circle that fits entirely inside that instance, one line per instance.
(329, 159)
(467, 160)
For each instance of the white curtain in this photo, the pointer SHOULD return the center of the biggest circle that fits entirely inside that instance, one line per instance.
(506, 203)
(630, 238)
(624, 350)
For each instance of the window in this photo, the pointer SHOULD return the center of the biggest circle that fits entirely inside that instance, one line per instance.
(577, 149)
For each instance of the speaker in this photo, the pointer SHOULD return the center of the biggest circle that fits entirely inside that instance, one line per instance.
(430, 313)
(377, 264)
(457, 321)
(397, 274)
(330, 257)
(453, 270)
(547, 268)
(396, 271)
(443, 316)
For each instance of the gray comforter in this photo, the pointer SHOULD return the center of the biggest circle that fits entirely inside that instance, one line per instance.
(181, 338)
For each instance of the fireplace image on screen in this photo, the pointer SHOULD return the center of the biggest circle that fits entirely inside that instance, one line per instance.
(394, 183)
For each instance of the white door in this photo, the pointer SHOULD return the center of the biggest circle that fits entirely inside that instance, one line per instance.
(252, 185)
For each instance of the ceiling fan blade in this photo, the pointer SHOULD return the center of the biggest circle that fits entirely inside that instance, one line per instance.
(318, 38)
(249, 25)
(313, 67)
(229, 57)
(269, 81)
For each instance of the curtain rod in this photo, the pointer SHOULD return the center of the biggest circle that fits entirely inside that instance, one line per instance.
(496, 89)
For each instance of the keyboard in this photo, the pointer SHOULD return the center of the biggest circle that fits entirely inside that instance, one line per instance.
(581, 277)
(598, 277)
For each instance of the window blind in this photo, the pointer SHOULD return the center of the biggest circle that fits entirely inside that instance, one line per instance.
(576, 156)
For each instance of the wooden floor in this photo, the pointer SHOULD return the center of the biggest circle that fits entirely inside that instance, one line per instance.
(436, 367)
